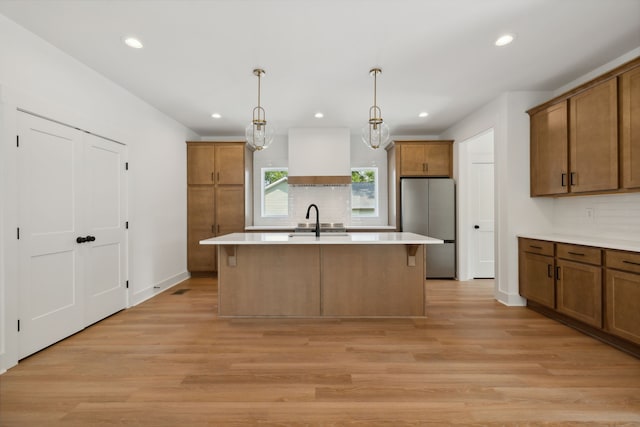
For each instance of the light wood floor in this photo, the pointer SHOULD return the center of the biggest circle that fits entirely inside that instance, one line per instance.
(170, 361)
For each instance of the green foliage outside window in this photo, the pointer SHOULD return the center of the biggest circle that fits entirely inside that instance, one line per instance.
(272, 176)
(363, 175)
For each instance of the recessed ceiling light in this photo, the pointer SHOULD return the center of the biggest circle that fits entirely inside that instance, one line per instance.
(216, 115)
(504, 39)
(318, 115)
(133, 42)
(423, 114)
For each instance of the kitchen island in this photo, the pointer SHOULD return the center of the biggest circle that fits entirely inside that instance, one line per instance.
(334, 275)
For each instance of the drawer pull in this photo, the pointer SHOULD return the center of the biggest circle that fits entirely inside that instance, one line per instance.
(630, 262)
(575, 253)
(535, 247)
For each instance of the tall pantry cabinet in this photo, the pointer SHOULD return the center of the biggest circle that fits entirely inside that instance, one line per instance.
(216, 190)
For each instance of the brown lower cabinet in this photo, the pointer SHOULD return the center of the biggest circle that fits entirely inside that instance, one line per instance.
(593, 289)
(536, 271)
(623, 295)
(579, 291)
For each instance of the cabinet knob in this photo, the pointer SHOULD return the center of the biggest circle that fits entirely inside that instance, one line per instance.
(476, 226)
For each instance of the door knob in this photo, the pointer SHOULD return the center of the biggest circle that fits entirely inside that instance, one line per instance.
(476, 226)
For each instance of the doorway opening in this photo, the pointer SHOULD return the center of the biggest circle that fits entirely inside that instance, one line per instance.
(476, 201)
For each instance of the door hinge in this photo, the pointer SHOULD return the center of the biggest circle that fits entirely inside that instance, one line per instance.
(18, 325)
(126, 225)
(17, 140)
(127, 284)
(126, 166)
(18, 233)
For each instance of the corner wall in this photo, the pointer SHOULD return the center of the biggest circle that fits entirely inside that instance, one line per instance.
(515, 211)
(38, 77)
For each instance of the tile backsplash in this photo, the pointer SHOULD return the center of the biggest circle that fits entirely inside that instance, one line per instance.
(615, 216)
(333, 201)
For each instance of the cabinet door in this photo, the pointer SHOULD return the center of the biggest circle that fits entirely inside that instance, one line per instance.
(630, 128)
(549, 151)
(230, 164)
(579, 291)
(412, 160)
(623, 314)
(437, 159)
(229, 210)
(200, 164)
(200, 219)
(594, 139)
(536, 278)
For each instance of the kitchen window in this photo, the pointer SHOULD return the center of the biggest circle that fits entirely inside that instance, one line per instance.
(364, 192)
(275, 192)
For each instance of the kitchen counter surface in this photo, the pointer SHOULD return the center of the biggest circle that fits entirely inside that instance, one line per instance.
(358, 238)
(619, 244)
(292, 227)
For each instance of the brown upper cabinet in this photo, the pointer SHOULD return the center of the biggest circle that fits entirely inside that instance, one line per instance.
(630, 128)
(426, 158)
(593, 139)
(549, 150)
(575, 144)
(215, 164)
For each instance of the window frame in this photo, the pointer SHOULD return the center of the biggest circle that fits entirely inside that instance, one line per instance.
(263, 186)
(376, 212)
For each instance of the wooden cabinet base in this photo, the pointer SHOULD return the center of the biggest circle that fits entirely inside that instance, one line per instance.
(620, 344)
(321, 280)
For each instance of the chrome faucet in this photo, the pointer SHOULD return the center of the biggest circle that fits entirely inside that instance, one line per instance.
(317, 218)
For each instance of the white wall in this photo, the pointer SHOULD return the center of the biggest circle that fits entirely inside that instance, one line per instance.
(38, 77)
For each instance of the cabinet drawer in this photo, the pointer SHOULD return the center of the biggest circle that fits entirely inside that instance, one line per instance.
(621, 260)
(585, 254)
(541, 247)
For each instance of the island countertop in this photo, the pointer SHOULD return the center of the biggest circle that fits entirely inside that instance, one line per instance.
(324, 239)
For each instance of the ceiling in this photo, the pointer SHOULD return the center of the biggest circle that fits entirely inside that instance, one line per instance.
(436, 56)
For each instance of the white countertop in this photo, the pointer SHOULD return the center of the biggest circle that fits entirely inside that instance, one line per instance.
(358, 238)
(620, 244)
(291, 227)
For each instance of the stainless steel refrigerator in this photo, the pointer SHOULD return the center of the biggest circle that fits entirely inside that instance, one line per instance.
(428, 207)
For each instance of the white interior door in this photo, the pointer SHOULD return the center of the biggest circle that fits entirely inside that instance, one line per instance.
(482, 207)
(105, 257)
(51, 300)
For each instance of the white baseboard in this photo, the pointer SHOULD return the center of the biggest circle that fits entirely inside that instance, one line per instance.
(158, 288)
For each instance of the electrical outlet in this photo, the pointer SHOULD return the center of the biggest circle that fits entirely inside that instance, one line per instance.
(590, 214)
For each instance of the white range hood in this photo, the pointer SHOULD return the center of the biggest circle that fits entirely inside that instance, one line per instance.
(319, 156)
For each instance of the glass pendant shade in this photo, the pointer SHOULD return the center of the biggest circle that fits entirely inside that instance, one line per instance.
(376, 133)
(259, 135)
(375, 136)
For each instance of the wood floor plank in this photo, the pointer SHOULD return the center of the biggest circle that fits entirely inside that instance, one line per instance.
(472, 361)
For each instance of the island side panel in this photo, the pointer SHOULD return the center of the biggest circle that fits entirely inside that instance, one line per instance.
(372, 280)
(270, 280)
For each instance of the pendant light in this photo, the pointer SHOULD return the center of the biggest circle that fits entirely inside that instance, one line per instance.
(259, 135)
(376, 133)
